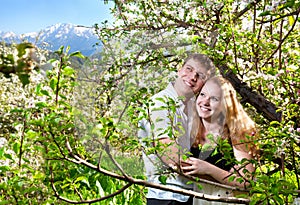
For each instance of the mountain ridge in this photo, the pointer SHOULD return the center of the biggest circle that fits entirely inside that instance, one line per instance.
(79, 38)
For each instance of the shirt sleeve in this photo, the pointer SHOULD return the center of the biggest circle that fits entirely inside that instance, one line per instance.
(157, 124)
(160, 120)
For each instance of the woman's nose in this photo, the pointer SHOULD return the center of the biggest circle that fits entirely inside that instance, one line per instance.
(203, 100)
(206, 100)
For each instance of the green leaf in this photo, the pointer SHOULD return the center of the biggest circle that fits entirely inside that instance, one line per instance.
(31, 134)
(278, 199)
(100, 189)
(60, 51)
(67, 49)
(26, 160)
(65, 186)
(274, 123)
(41, 105)
(52, 61)
(184, 157)
(53, 83)
(77, 54)
(240, 180)
(1, 151)
(163, 179)
(83, 179)
(200, 187)
(231, 178)
(4, 168)
(38, 175)
(288, 4)
(5, 202)
(38, 88)
(16, 147)
(143, 90)
(24, 78)
(45, 92)
(291, 20)
(68, 71)
(8, 156)
(22, 48)
(265, 13)
(234, 70)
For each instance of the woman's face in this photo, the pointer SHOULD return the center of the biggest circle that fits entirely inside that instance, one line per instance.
(209, 101)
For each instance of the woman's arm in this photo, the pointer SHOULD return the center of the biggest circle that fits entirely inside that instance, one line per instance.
(200, 167)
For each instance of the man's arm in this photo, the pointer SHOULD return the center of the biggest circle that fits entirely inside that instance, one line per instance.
(161, 120)
(171, 156)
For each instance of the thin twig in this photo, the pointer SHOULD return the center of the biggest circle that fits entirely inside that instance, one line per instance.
(58, 79)
(281, 42)
(280, 17)
(93, 200)
(246, 9)
(22, 140)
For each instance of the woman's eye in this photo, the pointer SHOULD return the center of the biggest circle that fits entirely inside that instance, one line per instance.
(214, 99)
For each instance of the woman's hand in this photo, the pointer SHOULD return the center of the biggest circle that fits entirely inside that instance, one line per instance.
(194, 166)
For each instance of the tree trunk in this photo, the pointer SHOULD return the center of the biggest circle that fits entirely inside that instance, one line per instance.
(262, 105)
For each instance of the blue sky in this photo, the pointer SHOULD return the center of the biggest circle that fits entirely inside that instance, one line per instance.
(24, 16)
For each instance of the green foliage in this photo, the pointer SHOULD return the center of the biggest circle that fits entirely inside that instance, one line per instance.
(36, 166)
(20, 64)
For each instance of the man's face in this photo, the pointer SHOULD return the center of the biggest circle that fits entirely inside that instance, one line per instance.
(193, 76)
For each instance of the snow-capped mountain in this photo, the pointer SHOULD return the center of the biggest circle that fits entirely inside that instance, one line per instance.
(51, 38)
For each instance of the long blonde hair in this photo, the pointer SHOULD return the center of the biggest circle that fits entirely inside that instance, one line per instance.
(238, 127)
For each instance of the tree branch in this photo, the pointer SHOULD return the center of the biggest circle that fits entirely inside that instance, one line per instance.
(132, 180)
(280, 17)
(267, 108)
(86, 201)
(247, 8)
(285, 37)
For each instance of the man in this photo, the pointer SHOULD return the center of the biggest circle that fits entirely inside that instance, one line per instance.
(196, 69)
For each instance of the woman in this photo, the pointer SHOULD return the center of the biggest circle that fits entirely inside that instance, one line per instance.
(222, 122)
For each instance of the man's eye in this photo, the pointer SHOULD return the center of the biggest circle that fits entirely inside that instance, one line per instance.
(202, 94)
(202, 76)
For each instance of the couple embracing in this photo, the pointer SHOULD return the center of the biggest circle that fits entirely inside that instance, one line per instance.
(207, 134)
